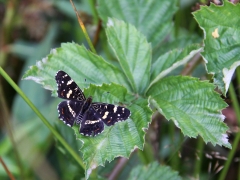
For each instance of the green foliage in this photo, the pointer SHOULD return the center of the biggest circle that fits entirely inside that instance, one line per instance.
(126, 135)
(153, 171)
(132, 51)
(193, 106)
(138, 74)
(151, 18)
(77, 61)
(171, 60)
(120, 139)
(222, 41)
(184, 100)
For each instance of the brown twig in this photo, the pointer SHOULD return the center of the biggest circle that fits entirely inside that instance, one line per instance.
(118, 168)
(6, 169)
(191, 65)
(83, 29)
(96, 37)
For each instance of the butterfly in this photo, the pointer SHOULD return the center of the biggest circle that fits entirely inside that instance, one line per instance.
(91, 116)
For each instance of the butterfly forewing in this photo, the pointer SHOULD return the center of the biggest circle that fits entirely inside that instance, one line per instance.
(67, 88)
(110, 114)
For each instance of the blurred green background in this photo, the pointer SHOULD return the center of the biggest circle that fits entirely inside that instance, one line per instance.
(29, 29)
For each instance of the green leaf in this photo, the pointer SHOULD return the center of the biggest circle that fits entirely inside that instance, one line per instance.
(172, 60)
(133, 53)
(120, 139)
(222, 41)
(77, 61)
(153, 171)
(152, 18)
(182, 39)
(194, 107)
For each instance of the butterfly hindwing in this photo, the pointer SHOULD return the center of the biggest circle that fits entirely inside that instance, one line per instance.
(67, 88)
(68, 111)
(91, 124)
(110, 114)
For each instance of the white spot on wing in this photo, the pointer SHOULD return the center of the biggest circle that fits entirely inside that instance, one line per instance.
(69, 93)
(115, 109)
(69, 82)
(105, 115)
(71, 110)
(91, 122)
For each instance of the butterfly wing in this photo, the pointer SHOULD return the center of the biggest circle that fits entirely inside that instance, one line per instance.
(111, 114)
(67, 88)
(90, 116)
(68, 111)
(91, 123)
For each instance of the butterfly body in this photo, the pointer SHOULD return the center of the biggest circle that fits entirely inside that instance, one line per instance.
(91, 116)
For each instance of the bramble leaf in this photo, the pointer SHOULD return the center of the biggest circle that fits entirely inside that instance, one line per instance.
(120, 139)
(222, 41)
(81, 64)
(151, 18)
(133, 53)
(153, 171)
(194, 107)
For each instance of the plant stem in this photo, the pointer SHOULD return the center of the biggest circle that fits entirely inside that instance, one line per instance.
(238, 79)
(234, 102)
(147, 155)
(237, 139)
(118, 168)
(197, 168)
(94, 11)
(175, 146)
(6, 169)
(230, 157)
(83, 29)
(31, 105)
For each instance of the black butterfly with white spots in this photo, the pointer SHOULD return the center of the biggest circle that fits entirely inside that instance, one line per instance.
(91, 116)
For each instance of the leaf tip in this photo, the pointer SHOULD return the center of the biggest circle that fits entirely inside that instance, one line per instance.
(224, 138)
(228, 73)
